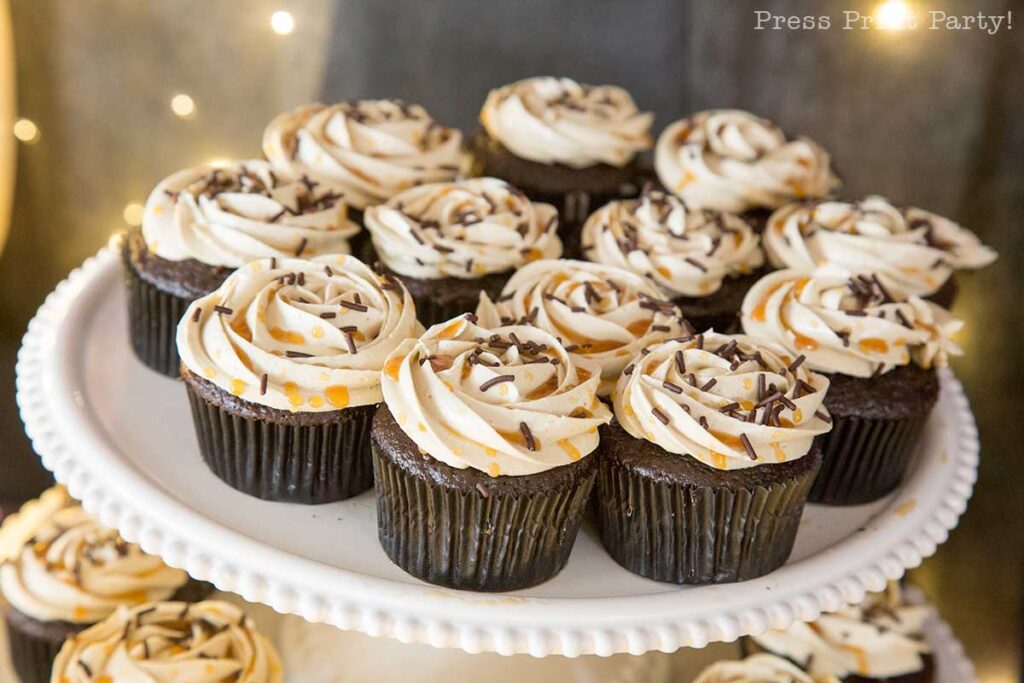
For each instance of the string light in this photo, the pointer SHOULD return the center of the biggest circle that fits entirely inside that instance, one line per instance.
(133, 213)
(894, 15)
(282, 22)
(26, 131)
(183, 106)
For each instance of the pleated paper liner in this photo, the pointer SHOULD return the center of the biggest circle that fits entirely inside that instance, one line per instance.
(488, 537)
(680, 521)
(864, 459)
(34, 644)
(310, 458)
(153, 317)
(927, 673)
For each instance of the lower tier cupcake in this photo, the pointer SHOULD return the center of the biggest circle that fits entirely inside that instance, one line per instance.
(170, 641)
(448, 242)
(880, 347)
(484, 455)
(879, 640)
(282, 369)
(62, 572)
(563, 143)
(704, 477)
(758, 668)
(704, 260)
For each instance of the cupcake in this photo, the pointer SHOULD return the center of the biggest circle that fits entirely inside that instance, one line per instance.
(282, 366)
(760, 668)
(484, 454)
(879, 346)
(601, 313)
(705, 260)
(448, 242)
(367, 150)
(731, 160)
(882, 639)
(564, 143)
(170, 641)
(704, 475)
(200, 224)
(912, 249)
(62, 572)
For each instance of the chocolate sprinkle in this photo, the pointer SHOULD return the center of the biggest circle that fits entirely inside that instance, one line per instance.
(680, 363)
(674, 388)
(497, 380)
(662, 417)
(353, 306)
(264, 380)
(297, 354)
(710, 383)
(751, 453)
(302, 247)
(797, 362)
(328, 315)
(196, 313)
(223, 309)
(527, 436)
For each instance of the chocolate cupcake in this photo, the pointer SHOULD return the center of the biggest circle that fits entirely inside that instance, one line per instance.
(200, 224)
(881, 639)
(601, 313)
(731, 160)
(484, 454)
(880, 347)
(705, 260)
(909, 248)
(366, 150)
(571, 145)
(759, 668)
(171, 641)
(282, 366)
(704, 475)
(448, 242)
(62, 572)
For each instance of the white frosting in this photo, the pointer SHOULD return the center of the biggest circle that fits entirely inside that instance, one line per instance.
(368, 150)
(73, 569)
(911, 248)
(731, 160)
(759, 668)
(445, 393)
(600, 312)
(465, 230)
(686, 252)
(318, 330)
(704, 396)
(848, 324)
(230, 215)
(170, 642)
(559, 121)
(880, 638)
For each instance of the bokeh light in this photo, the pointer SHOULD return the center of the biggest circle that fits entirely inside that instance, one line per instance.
(27, 131)
(282, 22)
(183, 106)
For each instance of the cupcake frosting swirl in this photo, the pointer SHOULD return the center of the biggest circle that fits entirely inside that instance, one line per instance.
(465, 230)
(559, 121)
(298, 335)
(502, 400)
(911, 248)
(731, 160)
(849, 324)
(759, 668)
(368, 150)
(729, 401)
(687, 252)
(230, 215)
(170, 642)
(73, 569)
(600, 312)
(881, 638)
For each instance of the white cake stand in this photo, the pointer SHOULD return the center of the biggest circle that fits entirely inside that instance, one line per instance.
(121, 438)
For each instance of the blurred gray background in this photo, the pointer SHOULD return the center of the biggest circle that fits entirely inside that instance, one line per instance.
(932, 118)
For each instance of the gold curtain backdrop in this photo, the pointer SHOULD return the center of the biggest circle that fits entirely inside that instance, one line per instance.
(931, 118)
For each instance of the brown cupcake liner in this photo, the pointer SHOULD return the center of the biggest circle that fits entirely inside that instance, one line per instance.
(864, 459)
(573, 210)
(33, 653)
(153, 317)
(295, 463)
(691, 534)
(471, 540)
